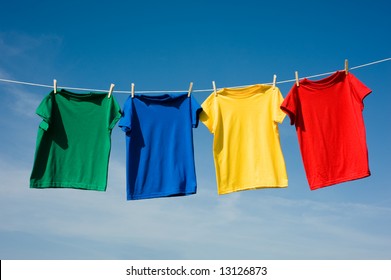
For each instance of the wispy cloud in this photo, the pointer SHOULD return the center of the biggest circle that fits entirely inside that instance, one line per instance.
(21, 101)
(29, 57)
(19, 45)
(4, 74)
(200, 226)
(25, 53)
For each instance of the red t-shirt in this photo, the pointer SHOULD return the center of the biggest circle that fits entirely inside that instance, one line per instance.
(330, 128)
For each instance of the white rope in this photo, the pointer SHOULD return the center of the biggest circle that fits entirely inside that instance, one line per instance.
(370, 63)
(182, 91)
(24, 83)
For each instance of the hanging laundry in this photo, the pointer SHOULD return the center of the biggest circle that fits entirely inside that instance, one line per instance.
(159, 145)
(74, 140)
(330, 128)
(246, 147)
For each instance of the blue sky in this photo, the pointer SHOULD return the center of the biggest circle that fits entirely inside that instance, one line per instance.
(163, 45)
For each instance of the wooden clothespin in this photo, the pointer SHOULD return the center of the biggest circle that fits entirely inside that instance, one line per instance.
(297, 78)
(190, 89)
(214, 88)
(132, 90)
(55, 86)
(274, 81)
(111, 90)
(346, 67)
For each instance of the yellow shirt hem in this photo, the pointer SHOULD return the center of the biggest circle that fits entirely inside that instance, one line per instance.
(221, 192)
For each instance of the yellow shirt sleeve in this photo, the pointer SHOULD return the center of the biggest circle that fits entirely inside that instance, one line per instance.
(207, 115)
(278, 114)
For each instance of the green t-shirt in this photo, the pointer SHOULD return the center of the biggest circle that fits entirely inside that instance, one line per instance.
(74, 140)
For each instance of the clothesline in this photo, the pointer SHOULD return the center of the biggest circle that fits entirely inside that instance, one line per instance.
(181, 91)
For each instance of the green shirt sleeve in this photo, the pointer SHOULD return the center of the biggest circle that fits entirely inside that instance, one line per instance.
(114, 113)
(44, 110)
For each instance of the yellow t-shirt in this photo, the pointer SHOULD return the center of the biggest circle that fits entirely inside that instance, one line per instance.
(246, 146)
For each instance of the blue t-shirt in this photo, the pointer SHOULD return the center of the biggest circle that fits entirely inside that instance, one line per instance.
(159, 145)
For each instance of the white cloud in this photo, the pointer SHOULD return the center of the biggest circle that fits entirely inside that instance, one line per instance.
(16, 45)
(4, 75)
(241, 225)
(22, 101)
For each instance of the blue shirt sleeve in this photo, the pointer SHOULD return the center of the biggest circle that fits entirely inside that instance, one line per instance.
(125, 122)
(195, 111)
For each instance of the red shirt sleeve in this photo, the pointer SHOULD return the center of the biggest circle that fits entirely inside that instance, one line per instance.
(289, 106)
(359, 90)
